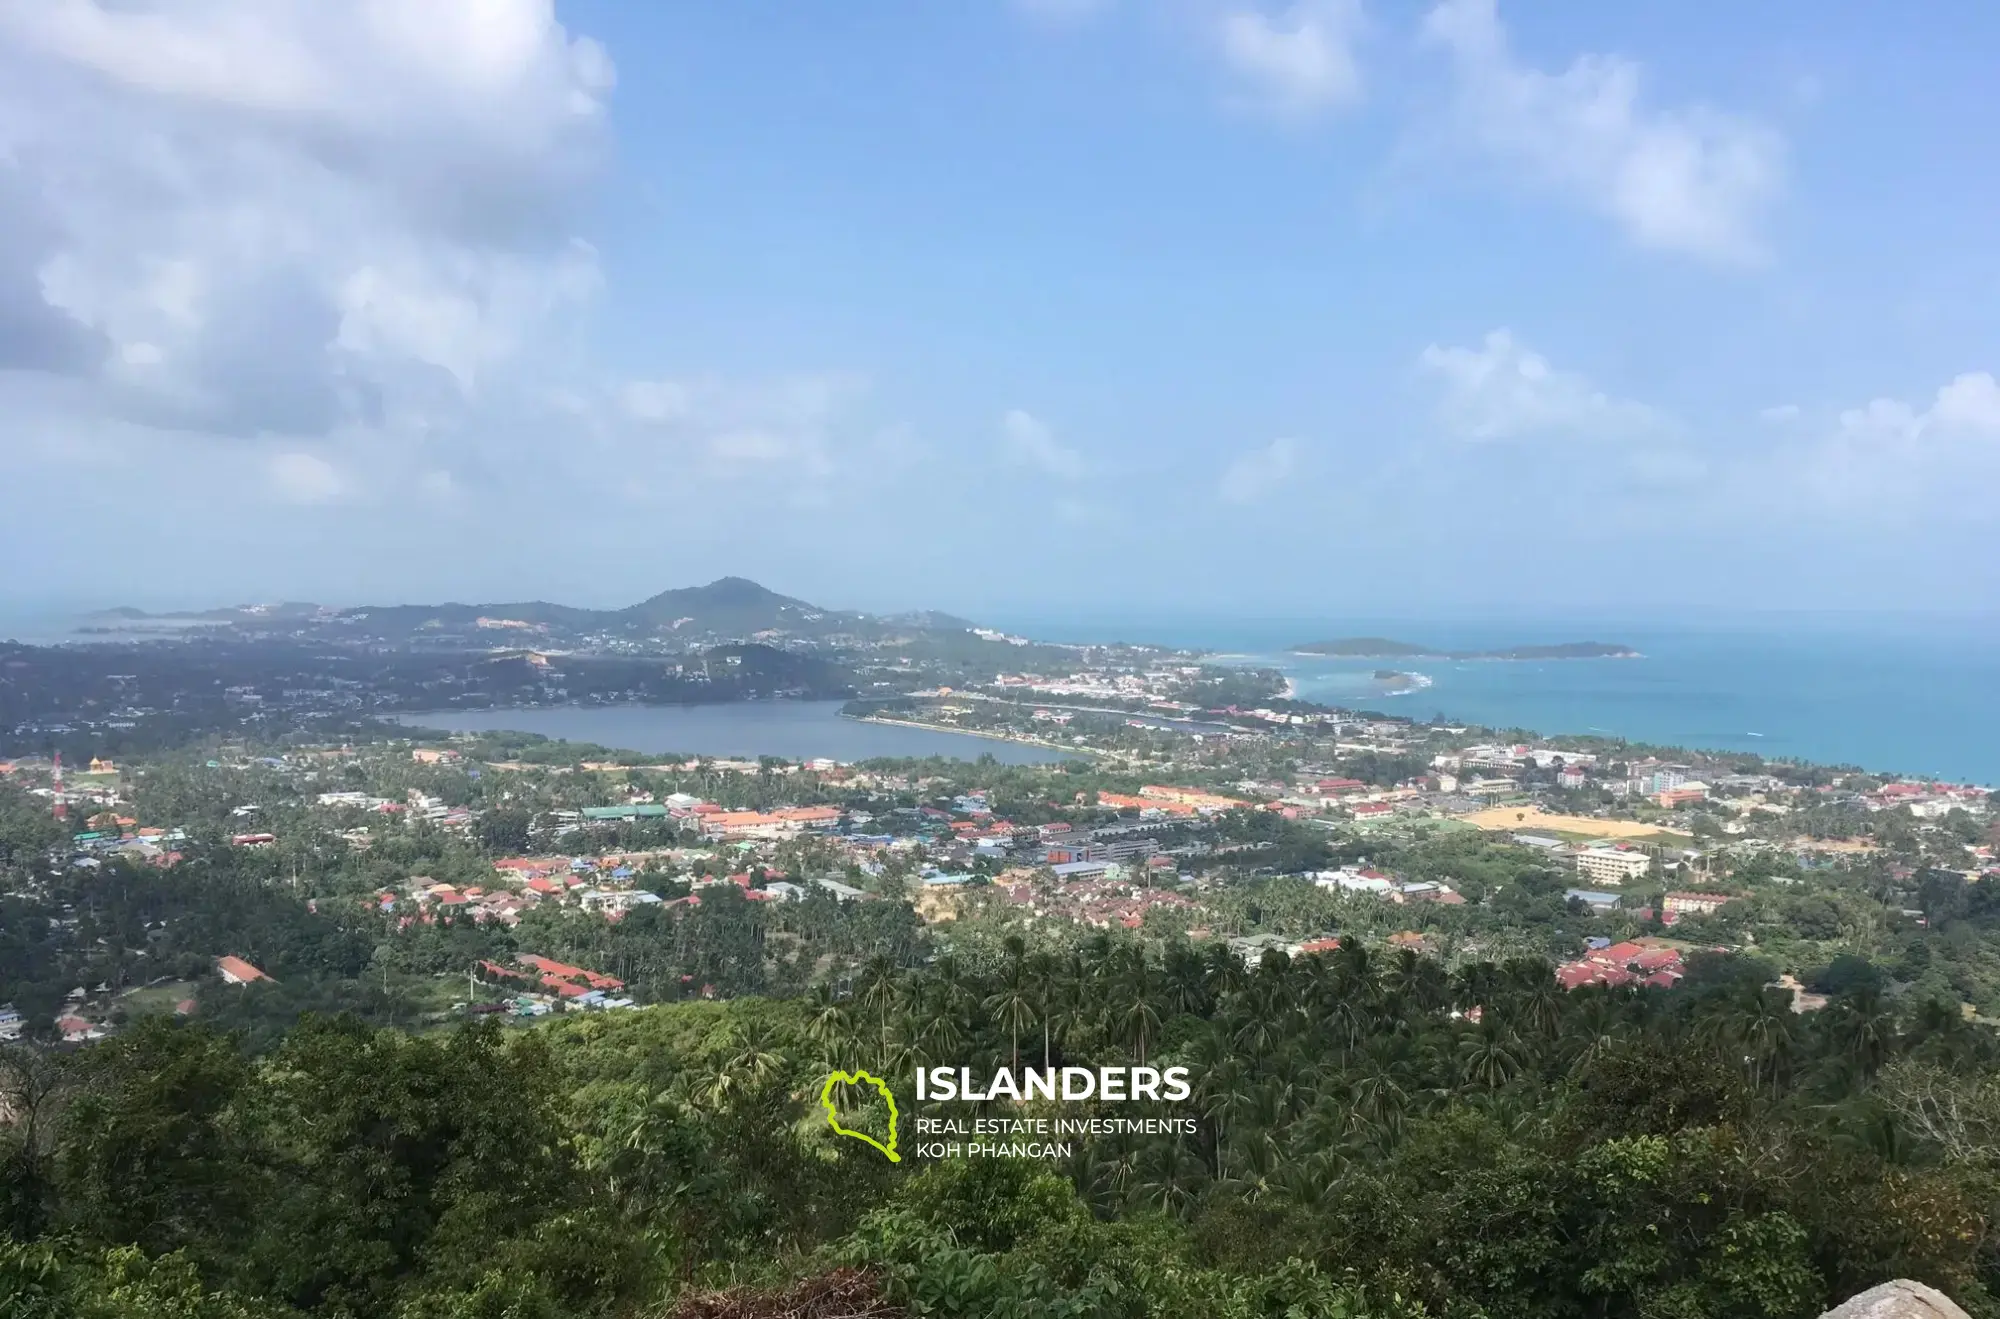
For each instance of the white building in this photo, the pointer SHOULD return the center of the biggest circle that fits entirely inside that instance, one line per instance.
(1612, 865)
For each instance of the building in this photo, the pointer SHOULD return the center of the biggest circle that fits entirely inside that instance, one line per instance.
(841, 892)
(1596, 901)
(1677, 905)
(1685, 794)
(1252, 947)
(1354, 881)
(630, 811)
(236, 971)
(1613, 865)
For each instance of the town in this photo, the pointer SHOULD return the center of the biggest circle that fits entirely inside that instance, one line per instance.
(519, 877)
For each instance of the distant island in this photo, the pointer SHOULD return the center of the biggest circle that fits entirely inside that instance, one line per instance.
(1384, 648)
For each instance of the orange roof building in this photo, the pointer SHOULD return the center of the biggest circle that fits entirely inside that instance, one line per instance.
(236, 971)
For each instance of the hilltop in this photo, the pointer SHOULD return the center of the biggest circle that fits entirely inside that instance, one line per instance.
(727, 609)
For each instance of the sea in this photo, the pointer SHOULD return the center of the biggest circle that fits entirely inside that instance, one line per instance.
(1910, 696)
(1915, 697)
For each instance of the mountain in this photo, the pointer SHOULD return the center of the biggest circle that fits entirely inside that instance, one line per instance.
(736, 606)
(727, 609)
(1384, 648)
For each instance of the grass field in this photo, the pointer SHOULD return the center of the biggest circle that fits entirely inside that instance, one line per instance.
(1528, 819)
(156, 998)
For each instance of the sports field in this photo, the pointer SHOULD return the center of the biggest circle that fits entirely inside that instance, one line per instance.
(1527, 819)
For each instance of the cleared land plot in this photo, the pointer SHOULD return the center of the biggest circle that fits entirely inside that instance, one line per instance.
(1520, 819)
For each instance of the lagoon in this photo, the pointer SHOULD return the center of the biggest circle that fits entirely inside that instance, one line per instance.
(794, 730)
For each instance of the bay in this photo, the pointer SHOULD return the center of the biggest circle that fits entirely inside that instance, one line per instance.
(1918, 697)
(794, 730)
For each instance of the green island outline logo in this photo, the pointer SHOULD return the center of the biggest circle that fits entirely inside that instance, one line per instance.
(833, 1119)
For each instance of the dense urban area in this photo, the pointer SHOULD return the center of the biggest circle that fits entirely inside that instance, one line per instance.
(311, 1013)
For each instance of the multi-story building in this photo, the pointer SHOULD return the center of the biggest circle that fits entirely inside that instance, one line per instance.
(1676, 905)
(1612, 865)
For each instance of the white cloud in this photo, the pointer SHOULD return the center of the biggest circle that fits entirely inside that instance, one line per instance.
(289, 218)
(304, 478)
(1502, 390)
(1028, 442)
(1296, 62)
(1260, 472)
(1888, 461)
(1780, 414)
(1692, 180)
(1970, 404)
(1967, 410)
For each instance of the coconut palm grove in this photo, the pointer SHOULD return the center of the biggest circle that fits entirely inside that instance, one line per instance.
(1375, 1135)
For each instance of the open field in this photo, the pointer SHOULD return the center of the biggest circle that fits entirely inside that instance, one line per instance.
(156, 998)
(1849, 846)
(1529, 819)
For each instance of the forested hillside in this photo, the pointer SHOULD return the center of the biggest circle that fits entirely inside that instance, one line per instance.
(1375, 1136)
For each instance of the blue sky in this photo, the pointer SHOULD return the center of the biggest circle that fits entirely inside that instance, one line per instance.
(1003, 306)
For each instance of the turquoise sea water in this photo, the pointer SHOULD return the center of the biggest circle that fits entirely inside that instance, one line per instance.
(1896, 696)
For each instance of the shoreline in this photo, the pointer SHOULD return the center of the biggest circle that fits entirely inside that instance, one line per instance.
(1085, 752)
(1469, 659)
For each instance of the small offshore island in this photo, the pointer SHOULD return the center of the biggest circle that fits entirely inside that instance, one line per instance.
(1384, 648)
(1398, 682)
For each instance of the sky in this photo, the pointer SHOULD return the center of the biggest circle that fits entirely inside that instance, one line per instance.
(1007, 307)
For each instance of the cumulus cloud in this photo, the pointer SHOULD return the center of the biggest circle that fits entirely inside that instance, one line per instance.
(1503, 390)
(291, 218)
(1691, 179)
(1261, 472)
(1885, 461)
(1965, 411)
(1297, 61)
(1026, 442)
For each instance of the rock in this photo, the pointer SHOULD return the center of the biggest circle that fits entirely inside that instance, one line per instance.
(1901, 1299)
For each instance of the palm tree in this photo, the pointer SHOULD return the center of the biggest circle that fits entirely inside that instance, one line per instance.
(1490, 1055)
(879, 992)
(1070, 1001)
(1135, 1018)
(1224, 973)
(1186, 990)
(1013, 1006)
(1861, 1030)
(1041, 969)
(1760, 1023)
(753, 1061)
(1475, 985)
(829, 1024)
(940, 1029)
(1170, 1178)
